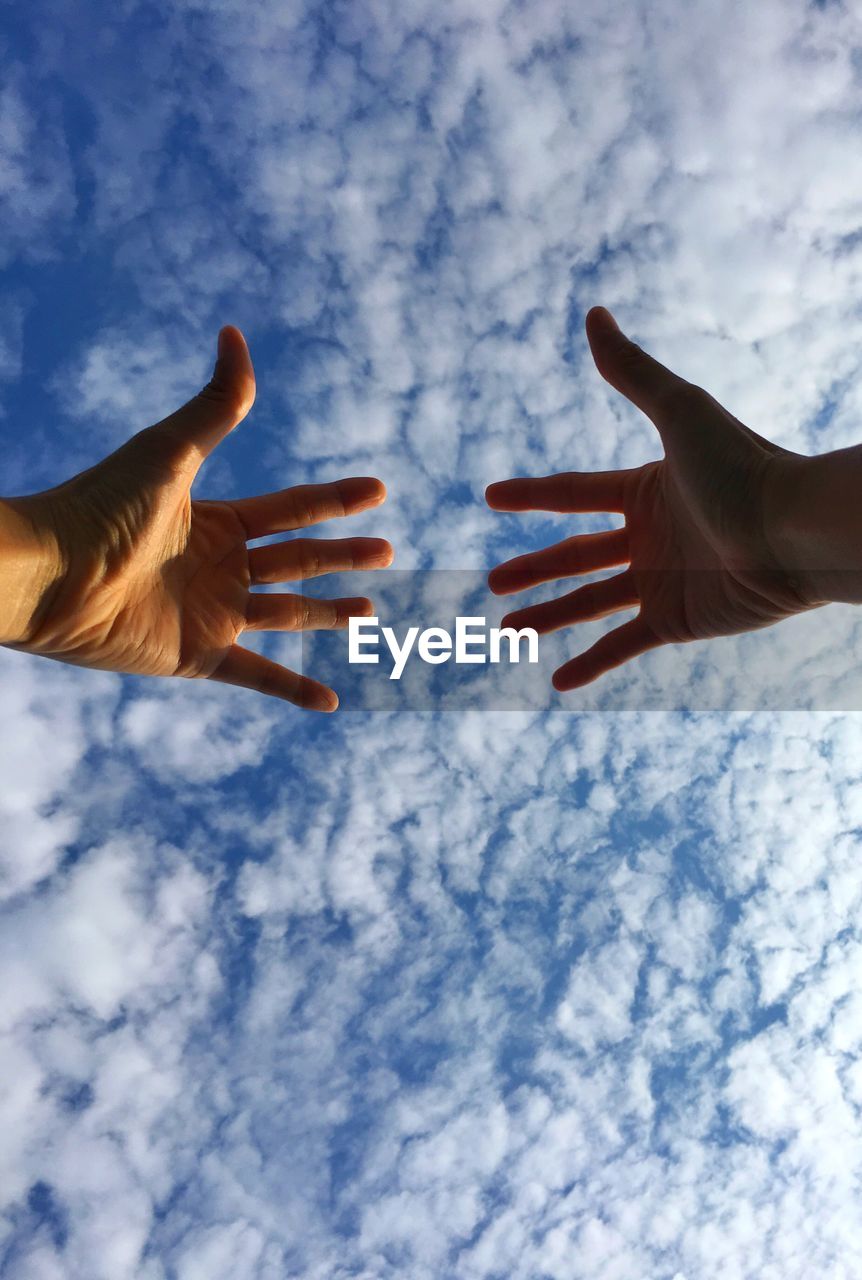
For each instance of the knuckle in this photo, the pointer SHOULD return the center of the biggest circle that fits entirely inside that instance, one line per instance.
(309, 559)
(157, 452)
(630, 352)
(304, 513)
(292, 613)
(632, 357)
(244, 396)
(237, 397)
(682, 397)
(572, 555)
(668, 400)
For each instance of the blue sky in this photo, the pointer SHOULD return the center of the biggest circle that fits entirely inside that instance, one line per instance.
(564, 993)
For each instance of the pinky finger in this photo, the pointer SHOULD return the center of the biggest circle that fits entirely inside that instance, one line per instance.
(252, 670)
(612, 650)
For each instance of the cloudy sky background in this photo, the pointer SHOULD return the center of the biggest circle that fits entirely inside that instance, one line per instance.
(550, 995)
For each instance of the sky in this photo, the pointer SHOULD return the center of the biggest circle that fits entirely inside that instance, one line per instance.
(440, 992)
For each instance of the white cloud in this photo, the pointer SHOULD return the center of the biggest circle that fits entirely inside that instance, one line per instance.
(51, 719)
(194, 732)
(468, 995)
(125, 383)
(36, 187)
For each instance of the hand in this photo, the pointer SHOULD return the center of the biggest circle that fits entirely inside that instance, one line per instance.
(696, 536)
(154, 583)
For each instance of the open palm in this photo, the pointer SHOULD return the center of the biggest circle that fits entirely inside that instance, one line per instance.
(154, 582)
(696, 533)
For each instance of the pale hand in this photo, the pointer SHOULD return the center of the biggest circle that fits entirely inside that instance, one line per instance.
(153, 582)
(697, 533)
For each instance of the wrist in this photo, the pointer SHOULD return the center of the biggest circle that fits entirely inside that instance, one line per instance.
(30, 569)
(813, 523)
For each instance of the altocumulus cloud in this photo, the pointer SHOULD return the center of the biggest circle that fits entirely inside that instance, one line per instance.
(570, 994)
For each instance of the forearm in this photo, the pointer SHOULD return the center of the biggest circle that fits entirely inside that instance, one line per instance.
(29, 571)
(814, 523)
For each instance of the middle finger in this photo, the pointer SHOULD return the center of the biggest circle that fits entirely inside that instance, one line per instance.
(310, 557)
(268, 611)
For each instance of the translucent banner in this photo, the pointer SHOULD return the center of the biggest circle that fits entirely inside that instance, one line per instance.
(426, 659)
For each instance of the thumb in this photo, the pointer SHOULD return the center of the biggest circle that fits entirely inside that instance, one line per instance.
(628, 368)
(208, 417)
(233, 375)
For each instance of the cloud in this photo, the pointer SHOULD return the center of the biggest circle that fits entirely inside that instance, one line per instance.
(126, 383)
(36, 188)
(462, 994)
(53, 721)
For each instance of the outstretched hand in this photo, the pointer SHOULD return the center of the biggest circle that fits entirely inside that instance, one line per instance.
(153, 582)
(697, 530)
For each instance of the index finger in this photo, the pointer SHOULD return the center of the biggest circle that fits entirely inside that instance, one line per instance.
(568, 491)
(307, 504)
